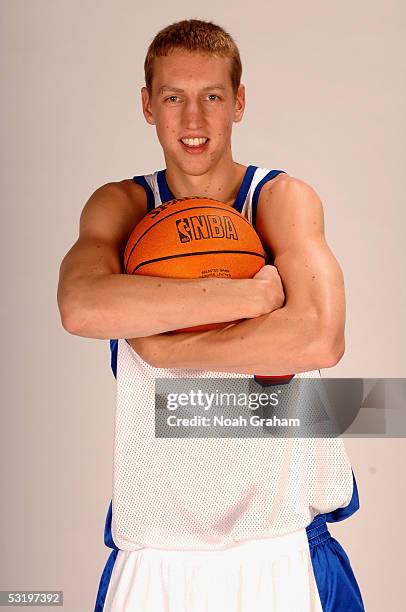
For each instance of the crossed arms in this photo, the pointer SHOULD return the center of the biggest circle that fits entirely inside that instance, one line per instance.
(307, 332)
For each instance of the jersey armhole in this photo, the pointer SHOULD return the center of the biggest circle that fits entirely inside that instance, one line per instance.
(257, 190)
(141, 180)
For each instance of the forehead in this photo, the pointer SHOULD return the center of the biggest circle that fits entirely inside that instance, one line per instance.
(184, 68)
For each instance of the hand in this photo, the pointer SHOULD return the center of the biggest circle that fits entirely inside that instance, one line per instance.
(272, 288)
(275, 298)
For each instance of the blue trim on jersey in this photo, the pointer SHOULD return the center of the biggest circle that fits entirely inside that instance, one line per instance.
(244, 187)
(336, 584)
(141, 180)
(108, 537)
(113, 361)
(114, 351)
(258, 188)
(164, 191)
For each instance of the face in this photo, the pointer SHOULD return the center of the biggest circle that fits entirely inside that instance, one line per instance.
(192, 96)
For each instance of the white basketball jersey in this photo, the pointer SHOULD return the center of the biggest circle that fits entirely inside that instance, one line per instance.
(207, 493)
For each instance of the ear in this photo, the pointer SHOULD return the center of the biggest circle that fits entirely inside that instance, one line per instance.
(239, 104)
(146, 106)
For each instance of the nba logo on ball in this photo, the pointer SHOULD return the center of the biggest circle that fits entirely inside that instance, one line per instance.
(203, 227)
(184, 231)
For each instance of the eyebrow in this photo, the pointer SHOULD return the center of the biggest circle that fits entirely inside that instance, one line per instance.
(171, 88)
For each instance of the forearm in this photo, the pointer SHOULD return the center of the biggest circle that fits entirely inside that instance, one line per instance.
(123, 306)
(279, 343)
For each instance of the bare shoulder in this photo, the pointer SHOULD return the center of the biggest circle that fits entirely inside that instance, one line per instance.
(287, 195)
(112, 211)
(132, 188)
(136, 197)
(288, 209)
(132, 192)
(284, 185)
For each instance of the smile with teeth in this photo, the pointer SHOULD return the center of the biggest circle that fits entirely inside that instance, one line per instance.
(194, 142)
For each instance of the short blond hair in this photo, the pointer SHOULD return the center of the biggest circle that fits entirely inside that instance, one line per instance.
(194, 35)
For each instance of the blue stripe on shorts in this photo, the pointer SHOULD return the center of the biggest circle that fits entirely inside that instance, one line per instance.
(336, 583)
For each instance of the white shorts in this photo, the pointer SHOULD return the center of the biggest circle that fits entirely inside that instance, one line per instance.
(303, 571)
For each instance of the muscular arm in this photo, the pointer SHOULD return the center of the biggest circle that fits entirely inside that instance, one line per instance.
(97, 301)
(307, 332)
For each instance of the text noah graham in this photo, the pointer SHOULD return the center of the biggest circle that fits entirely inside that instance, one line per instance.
(222, 421)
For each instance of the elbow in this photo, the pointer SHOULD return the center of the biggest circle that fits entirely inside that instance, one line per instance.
(72, 323)
(332, 352)
(72, 317)
(325, 342)
(80, 316)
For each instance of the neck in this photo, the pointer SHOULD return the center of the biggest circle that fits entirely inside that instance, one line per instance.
(219, 183)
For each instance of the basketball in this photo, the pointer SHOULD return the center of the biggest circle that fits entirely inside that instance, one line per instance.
(194, 237)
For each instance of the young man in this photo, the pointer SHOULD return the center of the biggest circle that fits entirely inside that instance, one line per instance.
(214, 524)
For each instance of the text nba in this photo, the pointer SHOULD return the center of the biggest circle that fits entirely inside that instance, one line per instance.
(202, 227)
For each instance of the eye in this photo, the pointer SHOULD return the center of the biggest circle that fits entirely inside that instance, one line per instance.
(170, 98)
(214, 96)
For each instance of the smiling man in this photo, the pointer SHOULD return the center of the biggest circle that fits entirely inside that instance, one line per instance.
(214, 524)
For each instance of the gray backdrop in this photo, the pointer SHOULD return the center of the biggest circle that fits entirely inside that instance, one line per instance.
(325, 86)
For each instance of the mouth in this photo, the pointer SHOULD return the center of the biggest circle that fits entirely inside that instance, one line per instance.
(194, 145)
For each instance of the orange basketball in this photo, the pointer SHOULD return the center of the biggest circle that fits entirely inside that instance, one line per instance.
(194, 238)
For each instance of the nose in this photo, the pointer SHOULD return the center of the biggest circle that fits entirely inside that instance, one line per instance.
(192, 114)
